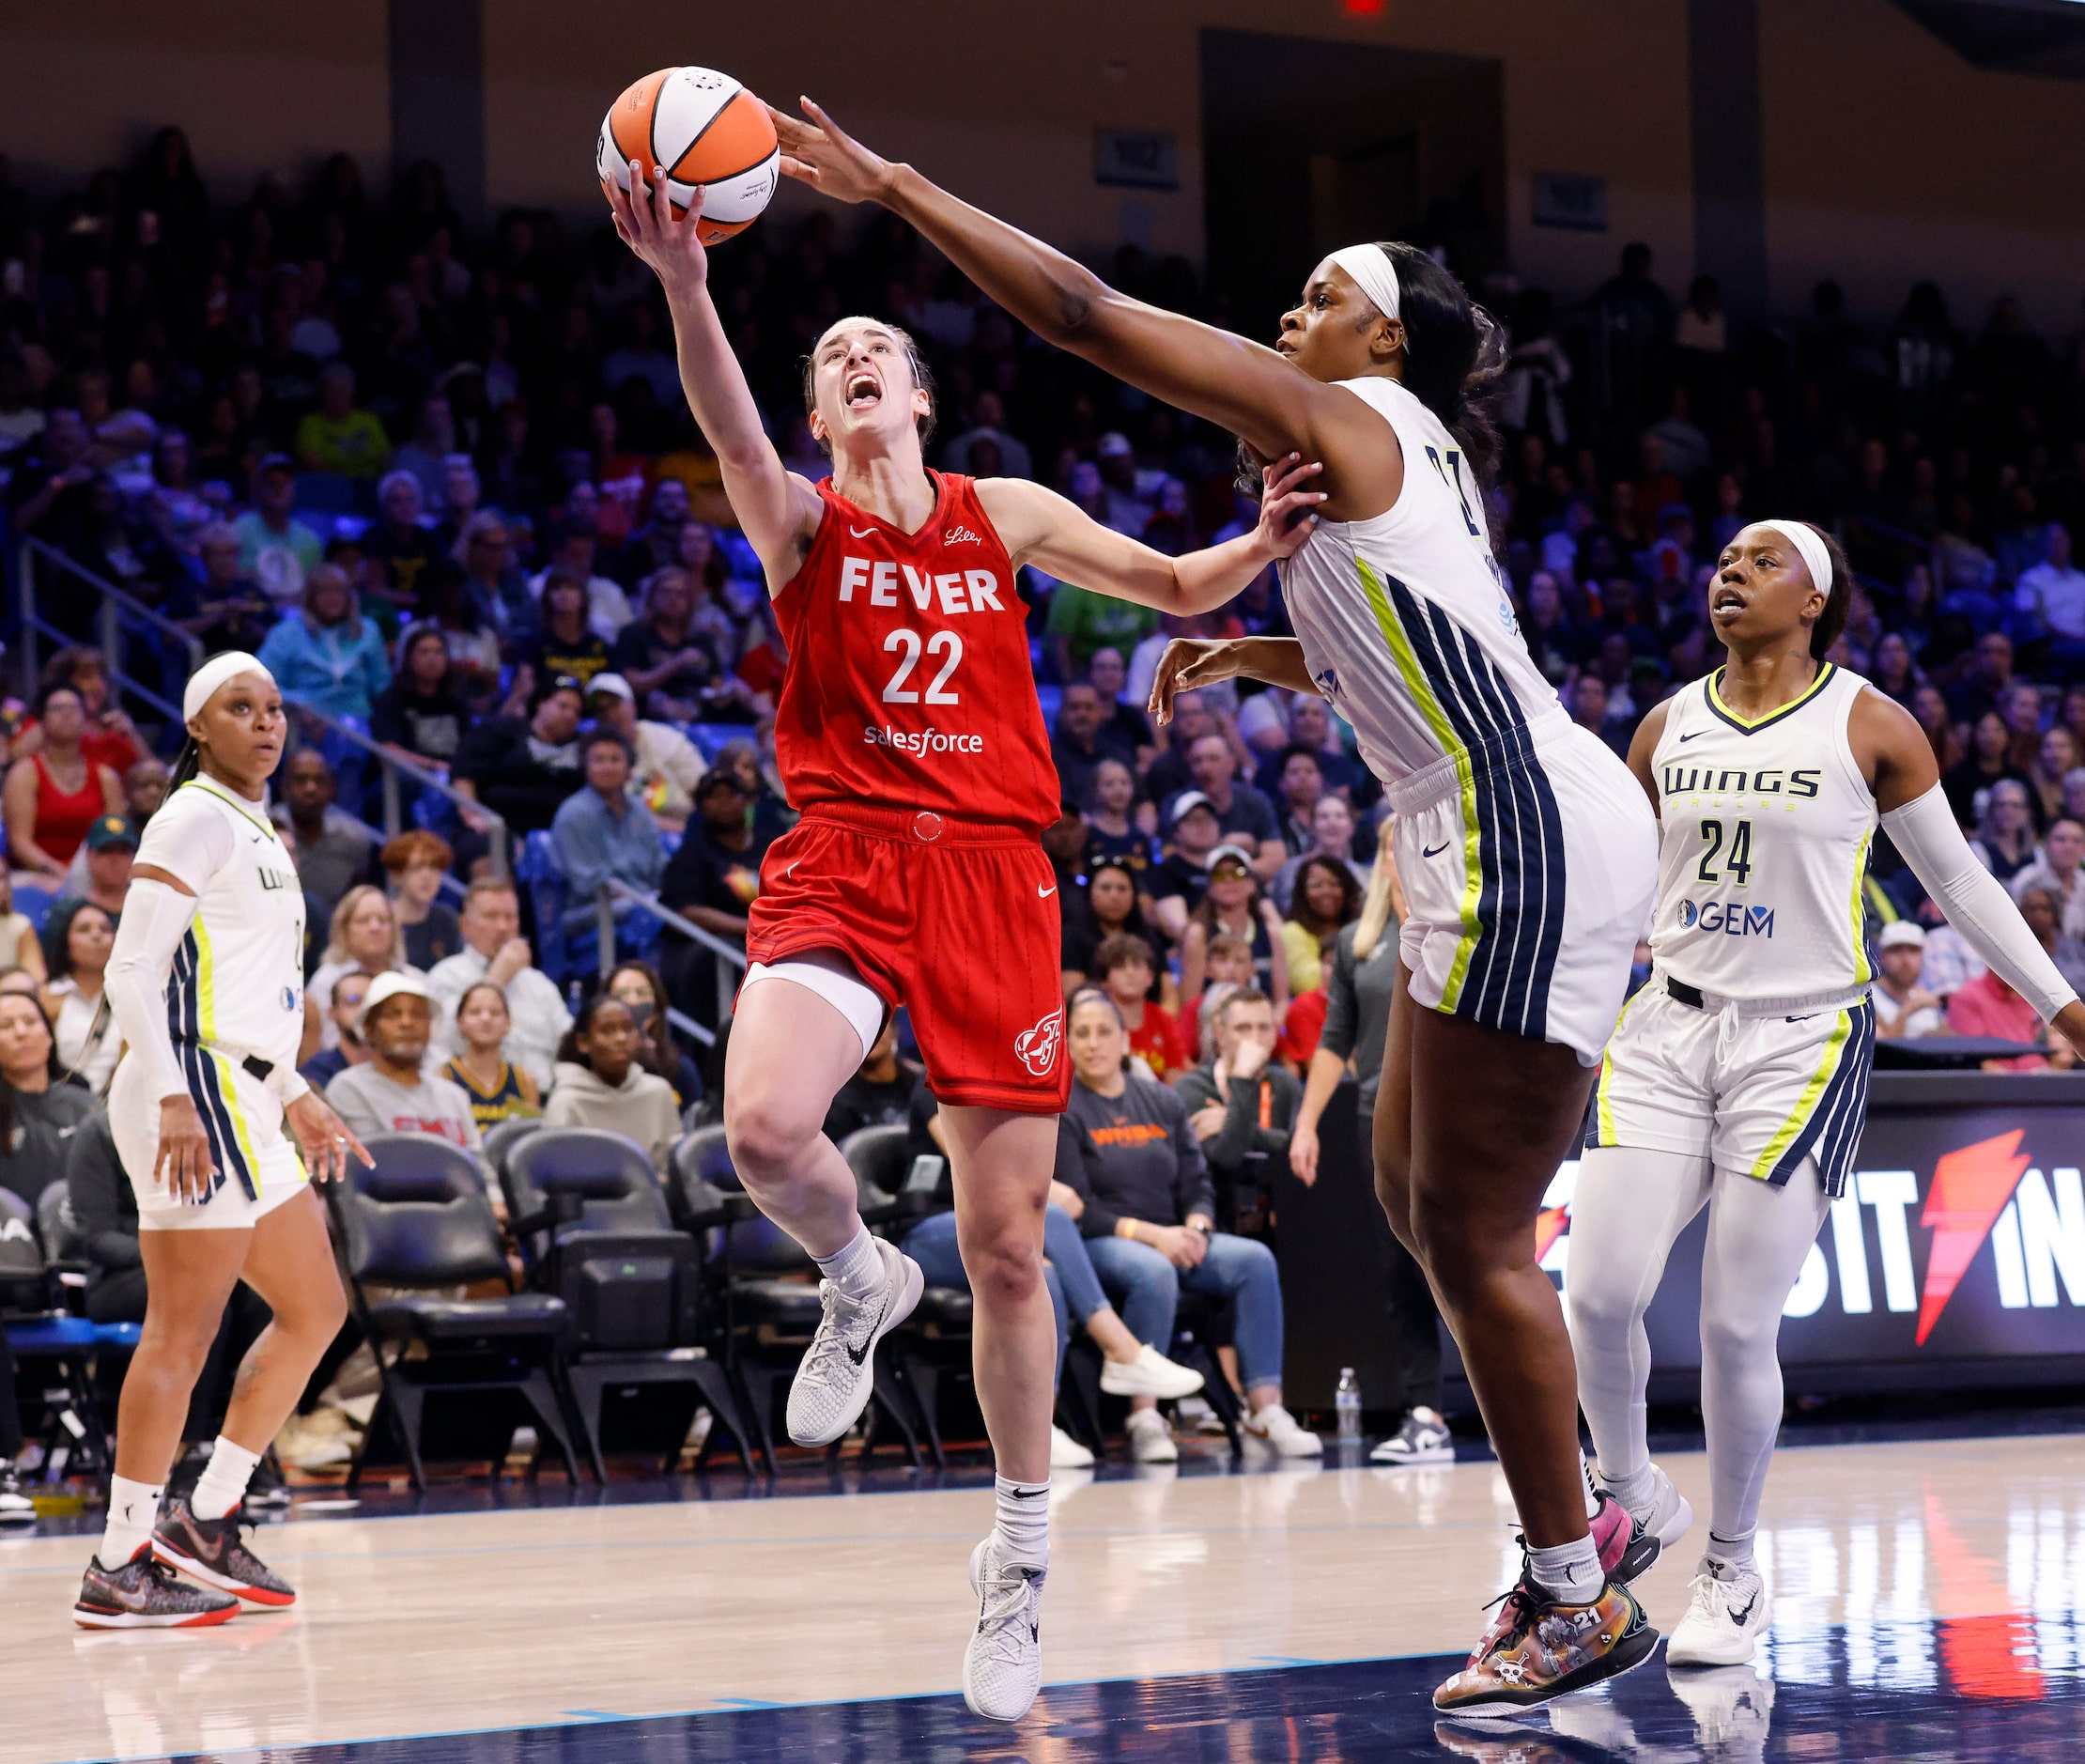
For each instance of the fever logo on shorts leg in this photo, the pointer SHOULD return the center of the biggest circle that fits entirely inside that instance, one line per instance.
(1037, 1048)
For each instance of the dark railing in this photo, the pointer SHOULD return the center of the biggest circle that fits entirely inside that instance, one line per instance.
(731, 960)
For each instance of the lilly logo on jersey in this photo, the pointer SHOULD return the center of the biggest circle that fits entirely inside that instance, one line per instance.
(1733, 919)
(1037, 1048)
(960, 535)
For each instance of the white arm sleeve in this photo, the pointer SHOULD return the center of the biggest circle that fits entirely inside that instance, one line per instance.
(1975, 900)
(155, 919)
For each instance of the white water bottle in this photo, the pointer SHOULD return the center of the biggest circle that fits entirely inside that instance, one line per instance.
(1345, 1400)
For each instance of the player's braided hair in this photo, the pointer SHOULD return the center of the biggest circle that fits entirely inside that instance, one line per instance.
(1455, 352)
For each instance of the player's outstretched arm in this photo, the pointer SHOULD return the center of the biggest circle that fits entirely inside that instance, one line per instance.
(1190, 662)
(777, 509)
(1039, 527)
(1246, 387)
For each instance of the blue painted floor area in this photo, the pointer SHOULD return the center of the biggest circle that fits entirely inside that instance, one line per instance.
(1977, 1689)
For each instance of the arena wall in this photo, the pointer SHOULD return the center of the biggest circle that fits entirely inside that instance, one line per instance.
(1887, 155)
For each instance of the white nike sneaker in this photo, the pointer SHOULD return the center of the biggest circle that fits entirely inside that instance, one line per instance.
(1150, 1374)
(1730, 1609)
(1151, 1441)
(1066, 1453)
(1002, 1667)
(839, 1371)
(1658, 1529)
(1281, 1430)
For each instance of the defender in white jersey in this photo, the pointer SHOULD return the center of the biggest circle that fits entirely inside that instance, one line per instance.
(1526, 858)
(1737, 1079)
(207, 982)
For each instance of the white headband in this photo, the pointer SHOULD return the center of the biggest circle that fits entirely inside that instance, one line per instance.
(1371, 270)
(1805, 540)
(203, 684)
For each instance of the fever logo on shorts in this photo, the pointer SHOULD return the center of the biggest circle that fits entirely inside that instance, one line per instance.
(1037, 1048)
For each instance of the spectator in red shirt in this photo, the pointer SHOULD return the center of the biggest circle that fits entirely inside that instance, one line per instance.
(1988, 1006)
(1126, 966)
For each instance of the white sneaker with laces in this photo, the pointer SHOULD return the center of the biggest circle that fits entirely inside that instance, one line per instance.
(1730, 1608)
(1002, 1667)
(1150, 1374)
(1151, 1441)
(1423, 1438)
(16, 1509)
(839, 1371)
(1066, 1453)
(1281, 1430)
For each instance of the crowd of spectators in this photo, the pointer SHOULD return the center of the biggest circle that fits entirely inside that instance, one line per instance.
(448, 486)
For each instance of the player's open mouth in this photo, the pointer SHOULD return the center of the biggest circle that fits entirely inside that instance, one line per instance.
(863, 392)
(1726, 602)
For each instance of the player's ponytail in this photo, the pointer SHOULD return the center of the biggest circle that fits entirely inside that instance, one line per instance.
(188, 764)
(1455, 352)
(1832, 620)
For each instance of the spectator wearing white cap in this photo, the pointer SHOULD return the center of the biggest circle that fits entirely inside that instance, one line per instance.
(1175, 885)
(1246, 816)
(667, 765)
(1903, 1008)
(393, 1092)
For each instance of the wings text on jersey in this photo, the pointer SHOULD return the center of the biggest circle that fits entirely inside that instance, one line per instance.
(956, 592)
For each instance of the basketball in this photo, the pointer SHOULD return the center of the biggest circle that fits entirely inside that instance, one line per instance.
(708, 132)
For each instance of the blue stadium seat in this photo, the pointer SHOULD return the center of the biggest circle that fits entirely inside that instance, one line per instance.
(33, 904)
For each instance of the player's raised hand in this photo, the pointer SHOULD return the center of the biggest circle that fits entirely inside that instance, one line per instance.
(822, 154)
(1285, 521)
(1187, 663)
(645, 221)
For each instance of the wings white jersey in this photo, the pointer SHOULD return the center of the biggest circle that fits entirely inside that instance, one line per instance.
(1764, 830)
(237, 982)
(1403, 618)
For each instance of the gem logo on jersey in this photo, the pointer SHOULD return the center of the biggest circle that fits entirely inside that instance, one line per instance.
(1037, 1048)
(1731, 920)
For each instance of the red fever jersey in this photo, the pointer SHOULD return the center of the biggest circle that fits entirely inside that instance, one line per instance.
(909, 735)
(909, 681)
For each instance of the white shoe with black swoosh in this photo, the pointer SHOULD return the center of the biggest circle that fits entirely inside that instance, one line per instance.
(1729, 1610)
(1002, 1667)
(839, 1371)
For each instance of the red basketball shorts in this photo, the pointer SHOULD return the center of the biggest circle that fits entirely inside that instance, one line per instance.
(958, 921)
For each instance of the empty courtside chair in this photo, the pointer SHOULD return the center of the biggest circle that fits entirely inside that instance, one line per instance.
(415, 1225)
(504, 1138)
(593, 1221)
(58, 1350)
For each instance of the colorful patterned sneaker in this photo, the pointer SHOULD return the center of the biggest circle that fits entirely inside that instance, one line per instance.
(1538, 1648)
(143, 1594)
(837, 1375)
(1499, 1742)
(1668, 1521)
(212, 1552)
(1002, 1668)
(1730, 1608)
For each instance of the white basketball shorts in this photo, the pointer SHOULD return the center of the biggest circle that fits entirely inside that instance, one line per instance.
(258, 1164)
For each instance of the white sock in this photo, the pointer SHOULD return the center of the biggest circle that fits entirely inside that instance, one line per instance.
(1733, 1552)
(1024, 1522)
(1635, 1491)
(858, 1269)
(1569, 1573)
(133, 1510)
(223, 1484)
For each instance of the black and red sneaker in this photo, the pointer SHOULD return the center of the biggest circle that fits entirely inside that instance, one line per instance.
(212, 1552)
(143, 1594)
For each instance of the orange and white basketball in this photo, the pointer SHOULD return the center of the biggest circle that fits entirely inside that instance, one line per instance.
(708, 132)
